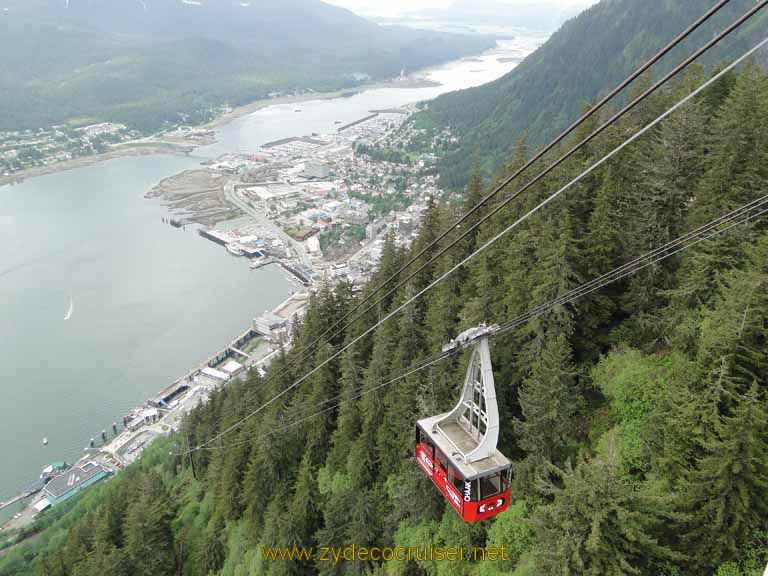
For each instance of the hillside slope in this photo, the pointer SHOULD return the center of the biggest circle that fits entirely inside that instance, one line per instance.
(584, 59)
(144, 63)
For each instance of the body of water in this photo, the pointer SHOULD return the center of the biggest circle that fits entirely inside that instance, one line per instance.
(145, 302)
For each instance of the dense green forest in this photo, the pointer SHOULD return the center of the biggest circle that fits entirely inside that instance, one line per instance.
(590, 53)
(156, 61)
(636, 416)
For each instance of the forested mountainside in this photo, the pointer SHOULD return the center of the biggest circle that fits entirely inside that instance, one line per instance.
(546, 92)
(145, 63)
(636, 416)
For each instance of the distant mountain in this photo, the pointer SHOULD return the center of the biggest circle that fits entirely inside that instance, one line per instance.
(585, 58)
(145, 62)
(546, 15)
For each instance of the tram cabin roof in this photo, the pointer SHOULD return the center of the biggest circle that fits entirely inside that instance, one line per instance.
(459, 438)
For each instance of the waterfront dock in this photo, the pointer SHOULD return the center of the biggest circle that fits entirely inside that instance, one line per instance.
(356, 122)
(34, 489)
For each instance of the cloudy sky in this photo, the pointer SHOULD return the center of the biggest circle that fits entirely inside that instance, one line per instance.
(394, 7)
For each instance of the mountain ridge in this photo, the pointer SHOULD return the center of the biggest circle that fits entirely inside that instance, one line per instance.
(107, 60)
(582, 60)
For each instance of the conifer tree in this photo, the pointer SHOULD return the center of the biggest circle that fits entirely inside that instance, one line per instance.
(597, 524)
(348, 423)
(726, 496)
(550, 402)
(603, 247)
(148, 536)
(102, 560)
(487, 270)
(737, 171)
(732, 342)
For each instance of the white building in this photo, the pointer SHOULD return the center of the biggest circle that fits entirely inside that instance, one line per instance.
(313, 245)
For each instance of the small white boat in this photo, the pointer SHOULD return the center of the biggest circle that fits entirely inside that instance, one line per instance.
(234, 250)
(70, 310)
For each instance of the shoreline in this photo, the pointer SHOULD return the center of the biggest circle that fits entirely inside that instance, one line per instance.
(187, 389)
(150, 145)
(246, 109)
(123, 150)
(162, 144)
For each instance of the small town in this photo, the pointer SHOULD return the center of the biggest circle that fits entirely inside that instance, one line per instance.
(22, 150)
(322, 205)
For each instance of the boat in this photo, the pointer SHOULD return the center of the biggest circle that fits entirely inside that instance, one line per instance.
(52, 470)
(234, 250)
(70, 310)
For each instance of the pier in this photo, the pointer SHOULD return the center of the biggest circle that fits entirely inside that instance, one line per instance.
(34, 489)
(296, 273)
(282, 141)
(356, 122)
(240, 352)
(261, 262)
(233, 347)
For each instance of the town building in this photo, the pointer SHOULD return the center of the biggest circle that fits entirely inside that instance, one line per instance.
(268, 322)
(74, 481)
(317, 170)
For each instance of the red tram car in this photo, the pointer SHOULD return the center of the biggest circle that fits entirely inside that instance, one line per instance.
(457, 450)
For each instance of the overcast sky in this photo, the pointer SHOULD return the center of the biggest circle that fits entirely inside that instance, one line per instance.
(392, 7)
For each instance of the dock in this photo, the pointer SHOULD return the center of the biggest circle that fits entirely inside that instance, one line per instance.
(261, 262)
(290, 140)
(391, 111)
(356, 122)
(297, 273)
(234, 347)
(34, 489)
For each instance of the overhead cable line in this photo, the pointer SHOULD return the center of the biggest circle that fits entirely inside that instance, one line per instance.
(309, 349)
(738, 217)
(422, 365)
(500, 235)
(500, 187)
(715, 227)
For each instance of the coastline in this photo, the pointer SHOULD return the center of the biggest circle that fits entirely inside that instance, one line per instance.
(408, 83)
(123, 150)
(150, 145)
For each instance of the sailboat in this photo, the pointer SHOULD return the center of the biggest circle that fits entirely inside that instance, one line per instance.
(70, 310)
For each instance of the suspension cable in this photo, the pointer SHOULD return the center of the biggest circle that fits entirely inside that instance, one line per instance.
(500, 235)
(738, 217)
(423, 365)
(682, 36)
(665, 251)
